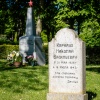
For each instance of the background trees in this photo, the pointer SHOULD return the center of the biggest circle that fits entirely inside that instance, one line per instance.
(80, 15)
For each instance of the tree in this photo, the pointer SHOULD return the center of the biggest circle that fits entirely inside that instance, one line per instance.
(3, 8)
(72, 13)
(9, 26)
(90, 32)
(54, 15)
(46, 12)
(13, 18)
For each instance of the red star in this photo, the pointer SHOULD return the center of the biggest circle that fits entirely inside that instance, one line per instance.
(30, 3)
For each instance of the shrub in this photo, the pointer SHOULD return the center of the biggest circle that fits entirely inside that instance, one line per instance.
(6, 49)
(93, 55)
(45, 48)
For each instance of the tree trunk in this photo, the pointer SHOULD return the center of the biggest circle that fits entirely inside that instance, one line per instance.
(71, 23)
(48, 36)
(41, 3)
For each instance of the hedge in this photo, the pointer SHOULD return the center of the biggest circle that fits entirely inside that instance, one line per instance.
(92, 54)
(6, 49)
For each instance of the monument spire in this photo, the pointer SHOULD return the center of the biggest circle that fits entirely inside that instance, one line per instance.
(30, 21)
(30, 3)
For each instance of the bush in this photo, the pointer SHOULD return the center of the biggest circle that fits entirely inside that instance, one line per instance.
(45, 48)
(93, 55)
(6, 49)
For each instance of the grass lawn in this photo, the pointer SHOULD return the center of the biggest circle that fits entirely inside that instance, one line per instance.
(24, 83)
(31, 83)
(93, 82)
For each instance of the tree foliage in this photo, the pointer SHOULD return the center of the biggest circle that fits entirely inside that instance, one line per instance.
(91, 32)
(80, 15)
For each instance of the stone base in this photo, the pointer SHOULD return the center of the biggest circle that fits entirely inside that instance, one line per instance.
(29, 45)
(64, 96)
(39, 51)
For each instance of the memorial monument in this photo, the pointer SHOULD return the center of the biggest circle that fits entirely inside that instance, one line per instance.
(67, 73)
(30, 43)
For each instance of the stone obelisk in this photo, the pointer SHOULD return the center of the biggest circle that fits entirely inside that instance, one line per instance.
(30, 44)
(30, 23)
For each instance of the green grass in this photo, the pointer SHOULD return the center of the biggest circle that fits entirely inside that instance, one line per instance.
(31, 83)
(25, 83)
(93, 82)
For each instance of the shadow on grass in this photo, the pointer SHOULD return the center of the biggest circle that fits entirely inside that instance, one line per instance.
(5, 66)
(23, 79)
(94, 69)
(91, 95)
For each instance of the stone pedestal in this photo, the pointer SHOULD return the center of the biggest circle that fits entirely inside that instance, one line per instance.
(28, 45)
(64, 96)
